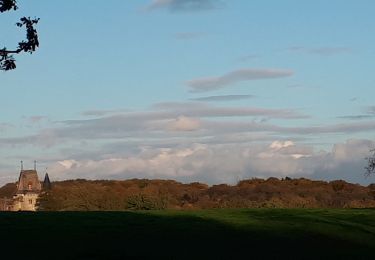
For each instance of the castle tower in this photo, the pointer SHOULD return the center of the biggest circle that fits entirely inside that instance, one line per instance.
(28, 190)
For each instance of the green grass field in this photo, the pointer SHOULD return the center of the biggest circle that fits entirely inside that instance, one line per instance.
(207, 234)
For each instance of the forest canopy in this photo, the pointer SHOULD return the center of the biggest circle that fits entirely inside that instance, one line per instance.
(143, 194)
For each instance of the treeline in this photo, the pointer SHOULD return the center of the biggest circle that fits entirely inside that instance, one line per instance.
(7, 191)
(143, 194)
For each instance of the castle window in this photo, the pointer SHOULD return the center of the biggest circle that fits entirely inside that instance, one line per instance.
(30, 201)
(29, 186)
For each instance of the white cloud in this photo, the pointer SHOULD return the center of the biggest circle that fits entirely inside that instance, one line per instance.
(68, 164)
(351, 149)
(183, 123)
(280, 144)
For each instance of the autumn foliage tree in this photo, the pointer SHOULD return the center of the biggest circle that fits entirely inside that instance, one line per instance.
(7, 60)
(136, 194)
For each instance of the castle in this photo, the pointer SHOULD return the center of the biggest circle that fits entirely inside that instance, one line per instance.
(28, 190)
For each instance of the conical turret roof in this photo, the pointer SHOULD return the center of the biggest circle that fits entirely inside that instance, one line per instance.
(46, 183)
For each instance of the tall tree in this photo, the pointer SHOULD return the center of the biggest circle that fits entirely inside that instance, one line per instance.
(370, 168)
(7, 60)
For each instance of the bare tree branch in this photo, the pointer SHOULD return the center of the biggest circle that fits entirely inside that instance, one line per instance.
(6, 52)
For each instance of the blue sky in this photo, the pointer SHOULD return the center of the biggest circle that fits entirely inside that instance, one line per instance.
(193, 90)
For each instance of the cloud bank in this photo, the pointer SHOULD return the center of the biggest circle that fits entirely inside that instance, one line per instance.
(227, 163)
(192, 141)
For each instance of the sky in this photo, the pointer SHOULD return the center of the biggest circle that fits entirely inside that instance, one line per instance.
(213, 91)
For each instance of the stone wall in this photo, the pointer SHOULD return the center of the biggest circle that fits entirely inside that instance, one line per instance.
(25, 202)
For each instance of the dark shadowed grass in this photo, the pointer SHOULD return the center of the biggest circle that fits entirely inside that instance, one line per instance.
(211, 234)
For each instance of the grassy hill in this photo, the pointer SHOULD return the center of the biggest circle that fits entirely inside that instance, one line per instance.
(207, 234)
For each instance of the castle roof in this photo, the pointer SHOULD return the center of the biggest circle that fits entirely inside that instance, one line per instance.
(28, 182)
(46, 183)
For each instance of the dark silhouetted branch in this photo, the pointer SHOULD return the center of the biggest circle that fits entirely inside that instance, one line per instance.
(7, 61)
